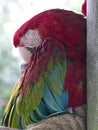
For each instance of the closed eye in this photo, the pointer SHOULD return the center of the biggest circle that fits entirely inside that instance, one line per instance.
(30, 49)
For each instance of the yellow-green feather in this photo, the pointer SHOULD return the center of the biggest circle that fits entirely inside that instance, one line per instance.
(55, 83)
(20, 105)
(13, 120)
(13, 96)
(37, 93)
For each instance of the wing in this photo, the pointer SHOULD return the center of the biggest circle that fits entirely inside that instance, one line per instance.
(42, 93)
(7, 118)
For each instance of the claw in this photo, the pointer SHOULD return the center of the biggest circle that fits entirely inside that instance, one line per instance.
(71, 111)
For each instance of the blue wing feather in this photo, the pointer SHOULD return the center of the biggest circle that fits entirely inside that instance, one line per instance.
(55, 103)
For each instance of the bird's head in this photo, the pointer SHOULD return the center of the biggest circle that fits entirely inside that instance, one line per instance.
(27, 38)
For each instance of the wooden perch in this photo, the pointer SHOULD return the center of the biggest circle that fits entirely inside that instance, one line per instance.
(61, 122)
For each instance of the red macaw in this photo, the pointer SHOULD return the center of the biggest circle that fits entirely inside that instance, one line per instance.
(53, 45)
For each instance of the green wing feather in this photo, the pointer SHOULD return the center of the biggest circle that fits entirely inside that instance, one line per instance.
(10, 116)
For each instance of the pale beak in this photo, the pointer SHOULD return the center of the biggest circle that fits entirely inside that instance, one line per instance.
(25, 54)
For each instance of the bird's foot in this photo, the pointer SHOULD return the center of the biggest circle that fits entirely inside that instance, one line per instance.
(70, 110)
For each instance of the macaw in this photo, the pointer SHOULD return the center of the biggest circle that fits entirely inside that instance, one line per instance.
(53, 78)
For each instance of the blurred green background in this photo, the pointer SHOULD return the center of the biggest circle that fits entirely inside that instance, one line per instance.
(13, 13)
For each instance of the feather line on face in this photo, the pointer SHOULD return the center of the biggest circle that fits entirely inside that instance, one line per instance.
(31, 38)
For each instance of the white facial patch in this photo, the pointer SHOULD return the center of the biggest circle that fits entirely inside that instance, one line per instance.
(25, 54)
(31, 38)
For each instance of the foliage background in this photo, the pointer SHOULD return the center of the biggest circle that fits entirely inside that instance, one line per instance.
(13, 13)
